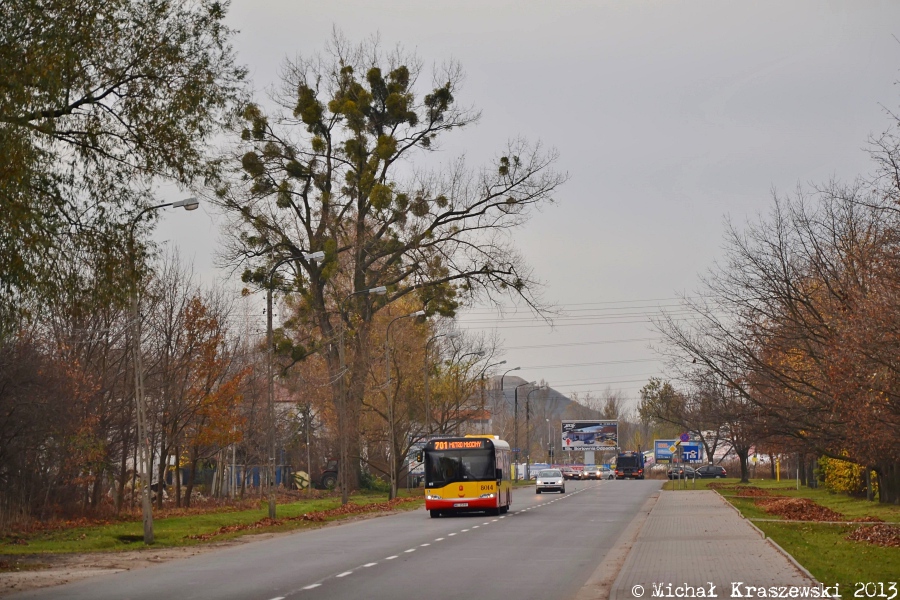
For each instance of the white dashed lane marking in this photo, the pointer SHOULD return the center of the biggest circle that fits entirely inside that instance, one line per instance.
(372, 564)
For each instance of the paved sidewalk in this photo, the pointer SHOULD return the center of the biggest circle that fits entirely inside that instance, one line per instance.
(696, 539)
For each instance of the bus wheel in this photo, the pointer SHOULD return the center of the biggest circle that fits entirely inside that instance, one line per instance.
(493, 512)
(504, 509)
(435, 513)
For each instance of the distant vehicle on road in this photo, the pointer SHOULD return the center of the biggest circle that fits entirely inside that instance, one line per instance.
(591, 472)
(570, 473)
(550, 480)
(711, 472)
(681, 472)
(598, 472)
(630, 465)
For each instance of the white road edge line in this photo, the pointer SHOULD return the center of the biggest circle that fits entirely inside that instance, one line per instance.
(438, 539)
(370, 564)
(345, 573)
(410, 550)
(309, 587)
(391, 557)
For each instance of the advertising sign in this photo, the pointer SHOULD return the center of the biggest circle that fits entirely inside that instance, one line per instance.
(590, 435)
(690, 452)
(662, 450)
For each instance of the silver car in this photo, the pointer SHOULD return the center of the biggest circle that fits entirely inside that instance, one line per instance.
(550, 480)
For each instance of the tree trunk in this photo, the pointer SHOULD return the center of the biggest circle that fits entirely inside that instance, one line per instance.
(161, 482)
(189, 488)
(743, 455)
(123, 474)
(97, 492)
(177, 477)
(772, 466)
(888, 482)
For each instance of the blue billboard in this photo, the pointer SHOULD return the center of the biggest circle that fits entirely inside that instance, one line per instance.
(662, 450)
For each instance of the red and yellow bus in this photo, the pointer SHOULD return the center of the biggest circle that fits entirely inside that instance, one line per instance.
(470, 473)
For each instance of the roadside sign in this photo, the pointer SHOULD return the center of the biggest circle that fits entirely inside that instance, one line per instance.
(690, 452)
(662, 451)
(684, 437)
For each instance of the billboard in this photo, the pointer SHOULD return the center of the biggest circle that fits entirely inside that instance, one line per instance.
(589, 435)
(662, 451)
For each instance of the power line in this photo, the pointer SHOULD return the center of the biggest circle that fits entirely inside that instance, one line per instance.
(591, 364)
(644, 321)
(580, 344)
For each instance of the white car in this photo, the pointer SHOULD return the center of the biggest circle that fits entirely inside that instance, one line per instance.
(550, 480)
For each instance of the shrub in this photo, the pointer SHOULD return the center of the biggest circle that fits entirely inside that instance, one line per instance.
(845, 477)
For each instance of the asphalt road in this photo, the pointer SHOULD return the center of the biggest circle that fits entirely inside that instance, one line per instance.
(546, 547)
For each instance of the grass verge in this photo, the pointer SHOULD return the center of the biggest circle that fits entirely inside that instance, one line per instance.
(820, 547)
(197, 528)
(826, 553)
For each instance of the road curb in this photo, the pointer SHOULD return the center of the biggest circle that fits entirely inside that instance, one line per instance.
(793, 561)
(772, 542)
(599, 584)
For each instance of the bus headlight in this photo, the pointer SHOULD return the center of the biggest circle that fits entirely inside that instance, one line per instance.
(432, 497)
(491, 495)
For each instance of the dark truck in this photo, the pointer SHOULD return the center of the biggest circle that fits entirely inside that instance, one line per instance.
(630, 465)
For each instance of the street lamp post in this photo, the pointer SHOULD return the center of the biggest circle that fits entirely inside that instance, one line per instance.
(549, 444)
(516, 423)
(344, 458)
(270, 371)
(528, 431)
(143, 441)
(450, 335)
(502, 392)
(456, 386)
(502, 362)
(390, 393)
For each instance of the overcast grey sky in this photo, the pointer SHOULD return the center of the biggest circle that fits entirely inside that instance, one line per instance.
(669, 116)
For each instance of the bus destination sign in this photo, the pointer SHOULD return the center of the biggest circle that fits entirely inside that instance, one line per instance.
(459, 444)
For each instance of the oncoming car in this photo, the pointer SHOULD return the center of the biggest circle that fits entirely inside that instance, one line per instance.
(569, 473)
(550, 480)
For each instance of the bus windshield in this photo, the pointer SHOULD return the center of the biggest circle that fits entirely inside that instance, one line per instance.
(443, 467)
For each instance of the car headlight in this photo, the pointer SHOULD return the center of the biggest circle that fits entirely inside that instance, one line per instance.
(491, 495)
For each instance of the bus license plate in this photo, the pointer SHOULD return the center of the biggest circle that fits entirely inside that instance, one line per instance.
(460, 504)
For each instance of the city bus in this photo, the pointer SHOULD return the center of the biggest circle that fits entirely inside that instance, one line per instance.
(464, 474)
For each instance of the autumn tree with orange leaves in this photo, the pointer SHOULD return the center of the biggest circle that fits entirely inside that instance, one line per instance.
(801, 321)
